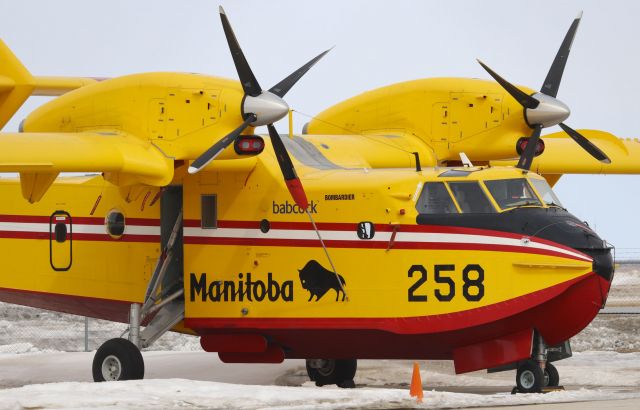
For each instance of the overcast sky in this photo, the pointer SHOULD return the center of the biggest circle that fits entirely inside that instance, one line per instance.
(377, 43)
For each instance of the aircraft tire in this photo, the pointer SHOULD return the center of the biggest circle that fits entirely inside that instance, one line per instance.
(336, 371)
(117, 359)
(551, 375)
(529, 377)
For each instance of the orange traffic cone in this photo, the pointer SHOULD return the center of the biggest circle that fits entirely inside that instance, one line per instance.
(416, 383)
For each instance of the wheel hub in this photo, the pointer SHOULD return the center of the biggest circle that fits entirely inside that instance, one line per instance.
(111, 368)
(327, 368)
(527, 379)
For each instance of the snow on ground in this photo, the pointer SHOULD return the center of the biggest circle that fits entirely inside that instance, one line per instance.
(180, 393)
(204, 382)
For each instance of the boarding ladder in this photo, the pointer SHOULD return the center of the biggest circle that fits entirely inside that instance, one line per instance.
(165, 303)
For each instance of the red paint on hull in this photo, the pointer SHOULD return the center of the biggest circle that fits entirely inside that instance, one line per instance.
(493, 353)
(558, 313)
(107, 309)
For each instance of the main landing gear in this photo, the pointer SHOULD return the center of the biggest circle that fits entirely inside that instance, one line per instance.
(120, 359)
(332, 371)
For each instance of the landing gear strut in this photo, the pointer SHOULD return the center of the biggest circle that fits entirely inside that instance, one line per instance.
(537, 373)
(332, 371)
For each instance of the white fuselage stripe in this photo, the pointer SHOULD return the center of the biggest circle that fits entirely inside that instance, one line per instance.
(77, 228)
(305, 234)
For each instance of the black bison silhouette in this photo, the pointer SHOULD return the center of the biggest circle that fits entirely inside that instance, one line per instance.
(318, 280)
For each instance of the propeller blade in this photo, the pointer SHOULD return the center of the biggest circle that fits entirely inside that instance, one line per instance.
(523, 98)
(587, 145)
(247, 79)
(285, 85)
(554, 76)
(530, 150)
(210, 154)
(288, 171)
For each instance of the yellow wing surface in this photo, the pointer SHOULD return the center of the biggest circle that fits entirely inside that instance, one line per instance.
(123, 158)
(563, 156)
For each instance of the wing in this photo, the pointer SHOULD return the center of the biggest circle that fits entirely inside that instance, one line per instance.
(563, 156)
(123, 158)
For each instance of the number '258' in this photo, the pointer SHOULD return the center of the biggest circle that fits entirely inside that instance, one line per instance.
(472, 286)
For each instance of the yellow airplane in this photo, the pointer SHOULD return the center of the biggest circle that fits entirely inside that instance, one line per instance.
(196, 225)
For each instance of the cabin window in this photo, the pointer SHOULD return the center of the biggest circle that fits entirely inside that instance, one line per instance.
(471, 198)
(510, 193)
(61, 232)
(435, 199)
(545, 192)
(114, 222)
(209, 218)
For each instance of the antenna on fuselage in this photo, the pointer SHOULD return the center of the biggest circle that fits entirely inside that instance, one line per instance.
(418, 166)
(326, 251)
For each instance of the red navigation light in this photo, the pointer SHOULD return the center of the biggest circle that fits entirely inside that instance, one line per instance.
(249, 145)
(522, 144)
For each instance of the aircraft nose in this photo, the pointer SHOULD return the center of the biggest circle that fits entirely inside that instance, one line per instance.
(603, 263)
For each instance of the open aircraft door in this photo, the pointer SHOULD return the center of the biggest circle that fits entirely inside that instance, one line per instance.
(60, 241)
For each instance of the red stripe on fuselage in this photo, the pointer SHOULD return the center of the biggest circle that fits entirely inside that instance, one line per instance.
(312, 243)
(352, 227)
(81, 220)
(305, 226)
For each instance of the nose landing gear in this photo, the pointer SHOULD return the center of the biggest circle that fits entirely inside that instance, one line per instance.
(534, 376)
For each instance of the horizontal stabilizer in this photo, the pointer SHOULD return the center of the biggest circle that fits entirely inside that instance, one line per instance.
(17, 84)
(54, 86)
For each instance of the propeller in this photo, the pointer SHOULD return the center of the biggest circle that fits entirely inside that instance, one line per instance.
(542, 109)
(258, 108)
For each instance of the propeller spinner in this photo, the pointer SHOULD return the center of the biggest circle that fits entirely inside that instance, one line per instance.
(543, 109)
(260, 107)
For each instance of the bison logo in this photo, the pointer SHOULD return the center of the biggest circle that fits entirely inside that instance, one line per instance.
(318, 280)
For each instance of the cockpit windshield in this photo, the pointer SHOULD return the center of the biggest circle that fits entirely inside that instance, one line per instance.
(546, 193)
(510, 193)
(470, 197)
(435, 199)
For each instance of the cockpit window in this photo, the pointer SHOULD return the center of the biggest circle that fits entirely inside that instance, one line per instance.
(455, 173)
(470, 197)
(510, 193)
(545, 192)
(435, 199)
